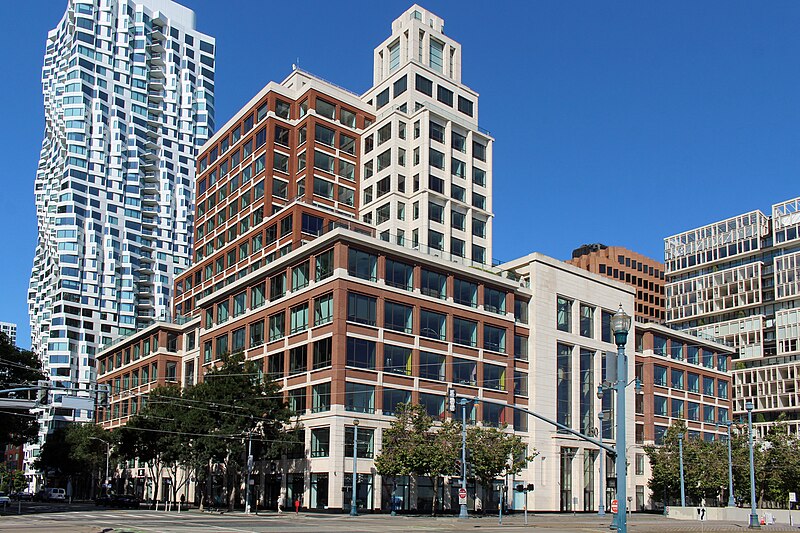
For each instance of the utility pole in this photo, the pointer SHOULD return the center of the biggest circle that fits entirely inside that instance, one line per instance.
(463, 510)
(680, 452)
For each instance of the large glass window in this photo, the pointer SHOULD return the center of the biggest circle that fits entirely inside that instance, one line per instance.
(360, 398)
(433, 404)
(708, 386)
(397, 316)
(397, 359)
(494, 338)
(257, 295)
(693, 382)
(660, 375)
(465, 331)
(465, 371)
(362, 264)
(399, 274)
(320, 442)
(465, 292)
(563, 314)
(677, 379)
(587, 321)
(677, 407)
(365, 445)
(298, 318)
(323, 265)
(659, 345)
(660, 405)
(433, 325)
(708, 358)
(392, 398)
(300, 276)
(361, 308)
(431, 366)
(361, 353)
(323, 309)
(433, 284)
(277, 326)
(564, 384)
(321, 397)
(494, 300)
(322, 353)
(587, 391)
(494, 377)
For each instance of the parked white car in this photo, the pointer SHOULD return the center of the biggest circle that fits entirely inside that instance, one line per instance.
(4, 499)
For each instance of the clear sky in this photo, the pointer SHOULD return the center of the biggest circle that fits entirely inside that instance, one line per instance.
(615, 122)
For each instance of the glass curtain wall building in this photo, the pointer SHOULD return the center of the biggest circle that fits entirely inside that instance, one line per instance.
(129, 98)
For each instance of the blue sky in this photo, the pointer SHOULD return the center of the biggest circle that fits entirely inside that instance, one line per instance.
(615, 122)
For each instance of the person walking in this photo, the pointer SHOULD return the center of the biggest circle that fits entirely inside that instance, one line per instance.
(297, 506)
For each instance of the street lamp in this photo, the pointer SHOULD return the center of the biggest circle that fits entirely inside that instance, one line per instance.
(602, 509)
(731, 500)
(753, 515)
(620, 325)
(462, 513)
(353, 508)
(680, 451)
(108, 458)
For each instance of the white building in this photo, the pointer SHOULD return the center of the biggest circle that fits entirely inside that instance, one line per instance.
(427, 172)
(10, 330)
(129, 98)
(571, 339)
(738, 280)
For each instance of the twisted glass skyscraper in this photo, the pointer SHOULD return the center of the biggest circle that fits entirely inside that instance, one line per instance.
(129, 98)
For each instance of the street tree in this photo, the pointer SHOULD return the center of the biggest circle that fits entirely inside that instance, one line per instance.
(495, 453)
(413, 446)
(18, 368)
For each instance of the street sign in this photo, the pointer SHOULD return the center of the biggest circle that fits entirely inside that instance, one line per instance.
(462, 496)
(614, 506)
(792, 497)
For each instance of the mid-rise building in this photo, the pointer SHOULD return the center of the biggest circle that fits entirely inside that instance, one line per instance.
(630, 267)
(10, 331)
(682, 376)
(351, 320)
(128, 98)
(738, 280)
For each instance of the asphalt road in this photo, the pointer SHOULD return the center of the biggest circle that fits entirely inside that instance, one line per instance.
(90, 519)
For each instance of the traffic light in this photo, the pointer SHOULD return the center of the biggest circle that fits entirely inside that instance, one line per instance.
(43, 392)
(520, 488)
(530, 487)
(459, 467)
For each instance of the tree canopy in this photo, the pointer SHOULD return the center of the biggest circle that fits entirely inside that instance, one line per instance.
(18, 368)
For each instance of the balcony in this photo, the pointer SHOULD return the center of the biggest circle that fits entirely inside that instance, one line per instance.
(157, 57)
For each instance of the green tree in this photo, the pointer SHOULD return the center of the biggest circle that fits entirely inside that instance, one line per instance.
(494, 453)
(184, 431)
(412, 446)
(18, 368)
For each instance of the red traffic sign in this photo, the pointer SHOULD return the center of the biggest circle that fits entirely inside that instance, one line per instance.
(614, 506)
(462, 493)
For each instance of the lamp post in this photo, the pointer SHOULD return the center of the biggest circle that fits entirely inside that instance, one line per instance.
(731, 500)
(602, 509)
(680, 451)
(353, 508)
(620, 325)
(462, 513)
(753, 515)
(108, 458)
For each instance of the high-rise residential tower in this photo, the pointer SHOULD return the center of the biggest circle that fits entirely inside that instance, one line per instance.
(10, 330)
(129, 98)
(427, 178)
(738, 280)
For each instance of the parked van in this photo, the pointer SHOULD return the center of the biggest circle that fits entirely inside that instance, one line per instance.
(55, 495)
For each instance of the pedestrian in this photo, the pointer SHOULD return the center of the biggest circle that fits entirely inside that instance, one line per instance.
(280, 503)
(297, 506)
